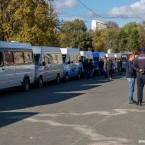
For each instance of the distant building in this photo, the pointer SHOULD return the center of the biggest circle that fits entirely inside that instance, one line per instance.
(97, 25)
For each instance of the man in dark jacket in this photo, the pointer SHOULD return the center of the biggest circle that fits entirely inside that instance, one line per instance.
(139, 66)
(130, 75)
(109, 67)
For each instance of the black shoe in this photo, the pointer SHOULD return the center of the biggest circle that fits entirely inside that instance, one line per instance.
(138, 103)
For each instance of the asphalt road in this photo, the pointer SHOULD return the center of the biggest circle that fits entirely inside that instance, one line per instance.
(78, 112)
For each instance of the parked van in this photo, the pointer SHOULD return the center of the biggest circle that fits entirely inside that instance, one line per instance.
(16, 65)
(72, 62)
(48, 64)
(86, 55)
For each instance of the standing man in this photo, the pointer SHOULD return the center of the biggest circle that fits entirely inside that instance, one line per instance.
(85, 67)
(91, 68)
(130, 75)
(101, 66)
(139, 66)
(119, 66)
(109, 66)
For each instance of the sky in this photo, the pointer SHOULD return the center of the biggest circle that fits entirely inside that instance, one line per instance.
(119, 11)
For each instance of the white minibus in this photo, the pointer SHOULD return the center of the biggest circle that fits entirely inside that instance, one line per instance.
(16, 65)
(48, 64)
(72, 62)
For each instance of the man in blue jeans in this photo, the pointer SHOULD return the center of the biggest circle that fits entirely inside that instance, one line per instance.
(130, 75)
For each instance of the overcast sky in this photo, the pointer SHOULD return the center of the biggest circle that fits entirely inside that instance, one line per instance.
(119, 11)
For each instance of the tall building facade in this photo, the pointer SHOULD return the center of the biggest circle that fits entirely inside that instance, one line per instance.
(97, 25)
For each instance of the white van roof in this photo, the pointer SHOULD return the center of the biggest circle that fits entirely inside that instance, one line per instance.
(102, 54)
(111, 55)
(70, 51)
(83, 53)
(44, 49)
(15, 45)
(117, 55)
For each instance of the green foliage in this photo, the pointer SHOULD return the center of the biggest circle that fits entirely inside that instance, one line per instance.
(73, 34)
(28, 21)
(34, 21)
(130, 37)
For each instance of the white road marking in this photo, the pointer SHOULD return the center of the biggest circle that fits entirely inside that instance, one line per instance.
(105, 113)
(84, 130)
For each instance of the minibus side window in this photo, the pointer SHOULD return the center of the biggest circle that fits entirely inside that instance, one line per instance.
(48, 58)
(8, 58)
(1, 59)
(59, 58)
(54, 58)
(28, 56)
(18, 57)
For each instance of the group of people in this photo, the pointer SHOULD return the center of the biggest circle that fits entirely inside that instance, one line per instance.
(88, 68)
(135, 69)
(107, 66)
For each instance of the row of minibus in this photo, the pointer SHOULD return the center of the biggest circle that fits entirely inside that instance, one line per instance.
(23, 64)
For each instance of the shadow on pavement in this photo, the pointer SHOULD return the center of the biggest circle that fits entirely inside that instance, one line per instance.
(7, 118)
(13, 99)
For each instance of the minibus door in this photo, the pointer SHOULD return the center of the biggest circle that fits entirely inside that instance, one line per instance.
(7, 72)
(4, 77)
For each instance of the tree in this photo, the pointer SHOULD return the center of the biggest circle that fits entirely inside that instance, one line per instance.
(132, 31)
(28, 21)
(74, 34)
(6, 19)
(141, 39)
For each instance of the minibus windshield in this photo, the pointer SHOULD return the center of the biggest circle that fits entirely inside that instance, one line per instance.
(36, 58)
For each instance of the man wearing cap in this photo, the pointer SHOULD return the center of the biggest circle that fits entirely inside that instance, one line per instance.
(139, 66)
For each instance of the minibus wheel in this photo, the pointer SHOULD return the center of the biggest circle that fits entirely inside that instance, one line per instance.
(26, 84)
(57, 80)
(40, 82)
